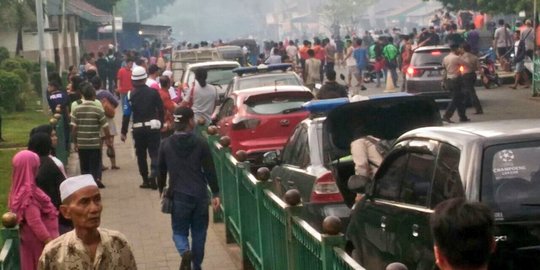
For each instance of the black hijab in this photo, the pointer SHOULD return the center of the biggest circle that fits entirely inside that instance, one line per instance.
(40, 143)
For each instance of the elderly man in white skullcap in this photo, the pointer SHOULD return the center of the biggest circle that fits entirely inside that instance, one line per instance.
(87, 246)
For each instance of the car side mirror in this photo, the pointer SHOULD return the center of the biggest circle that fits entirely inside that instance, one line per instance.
(271, 158)
(359, 184)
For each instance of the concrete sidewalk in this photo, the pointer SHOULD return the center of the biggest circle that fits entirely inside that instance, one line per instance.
(136, 213)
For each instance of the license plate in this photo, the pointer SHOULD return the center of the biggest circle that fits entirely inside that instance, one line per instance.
(434, 73)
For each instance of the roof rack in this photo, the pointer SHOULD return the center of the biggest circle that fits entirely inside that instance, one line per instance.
(261, 68)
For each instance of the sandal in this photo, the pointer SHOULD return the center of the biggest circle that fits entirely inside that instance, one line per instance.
(115, 168)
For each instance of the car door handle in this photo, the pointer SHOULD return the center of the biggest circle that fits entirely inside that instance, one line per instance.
(284, 122)
(383, 223)
(415, 229)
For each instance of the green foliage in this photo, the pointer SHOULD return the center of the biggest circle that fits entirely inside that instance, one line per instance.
(491, 6)
(23, 74)
(11, 64)
(35, 81)
(4, 54)
(10, 86)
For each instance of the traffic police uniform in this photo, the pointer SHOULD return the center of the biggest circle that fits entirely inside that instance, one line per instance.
(146, 107)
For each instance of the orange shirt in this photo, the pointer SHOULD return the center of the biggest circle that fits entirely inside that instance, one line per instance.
(303, 52)
(319, 52)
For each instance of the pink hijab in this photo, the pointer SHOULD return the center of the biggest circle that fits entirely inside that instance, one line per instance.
(23, 186)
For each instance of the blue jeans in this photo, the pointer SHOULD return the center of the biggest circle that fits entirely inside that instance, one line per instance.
(394, 74)
(190, 213)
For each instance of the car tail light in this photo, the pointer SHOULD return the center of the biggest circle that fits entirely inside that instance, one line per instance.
(413, 72)
(461, 69)
(436, 53)
(245, 123)
(326, 190)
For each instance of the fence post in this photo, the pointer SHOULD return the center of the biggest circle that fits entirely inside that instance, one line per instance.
(293, 199)
(331, 238)
(9, 255)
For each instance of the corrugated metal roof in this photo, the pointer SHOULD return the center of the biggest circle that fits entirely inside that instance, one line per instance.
(79, 8)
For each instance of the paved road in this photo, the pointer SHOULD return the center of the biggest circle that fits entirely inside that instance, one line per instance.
(136, 213)
(499, 103)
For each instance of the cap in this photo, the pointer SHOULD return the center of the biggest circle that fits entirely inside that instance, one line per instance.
(76, 183)
(182, 114)
(138, 73)
(167, 73)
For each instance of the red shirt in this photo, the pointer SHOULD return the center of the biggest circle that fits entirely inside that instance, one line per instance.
(303, 52)
(124, 77)
(319, 52)
(168, 105)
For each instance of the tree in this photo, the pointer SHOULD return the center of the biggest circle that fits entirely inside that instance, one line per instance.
(490, 6)
(346, 13)
(17, 14)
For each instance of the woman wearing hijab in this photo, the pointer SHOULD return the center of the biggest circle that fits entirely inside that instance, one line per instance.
(49, 176)
(49, 130)
(36, 215)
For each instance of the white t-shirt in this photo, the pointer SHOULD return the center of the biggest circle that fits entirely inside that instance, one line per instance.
(152, 83)
(292, 51)
(503, 37)
(273, 59)
(516, 47)
(204, 101)
(351, 62)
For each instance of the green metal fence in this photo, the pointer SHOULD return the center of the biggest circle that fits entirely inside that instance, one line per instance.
(9, 254)
(269, 231)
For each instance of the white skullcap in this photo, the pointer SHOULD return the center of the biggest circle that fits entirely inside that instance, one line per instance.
(167, 73)
(75, 183)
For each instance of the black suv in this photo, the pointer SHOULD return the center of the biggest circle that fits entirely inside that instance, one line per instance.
(496, 163)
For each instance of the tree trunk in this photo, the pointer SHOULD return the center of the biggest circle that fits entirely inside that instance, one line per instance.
(19, 46)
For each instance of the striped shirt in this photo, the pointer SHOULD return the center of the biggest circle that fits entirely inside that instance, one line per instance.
(89, 120)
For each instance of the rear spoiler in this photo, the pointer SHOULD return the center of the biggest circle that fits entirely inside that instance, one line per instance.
(279, 95)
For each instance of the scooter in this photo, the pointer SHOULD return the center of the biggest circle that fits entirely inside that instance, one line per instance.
(489, 76)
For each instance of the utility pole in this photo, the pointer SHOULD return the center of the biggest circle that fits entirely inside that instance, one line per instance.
(137, 14)
(115, 40)
(535, 57)
(42, 61)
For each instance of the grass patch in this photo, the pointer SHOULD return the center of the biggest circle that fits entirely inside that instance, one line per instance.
(5, 176)
(16, 127)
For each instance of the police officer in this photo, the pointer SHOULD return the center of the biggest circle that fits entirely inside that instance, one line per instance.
(147, 109)
(453, 80)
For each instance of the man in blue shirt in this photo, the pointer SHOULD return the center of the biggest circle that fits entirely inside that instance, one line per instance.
(360, 54)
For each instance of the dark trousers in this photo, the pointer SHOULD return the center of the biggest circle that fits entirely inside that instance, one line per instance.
(190, 214)
(90, 162)
(111, 82)
(330, 66)
(455, 86)
(321, 70)
(146, 141)
(469, 80)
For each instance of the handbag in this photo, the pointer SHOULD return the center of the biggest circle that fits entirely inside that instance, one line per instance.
(108, 108)
(166, 201)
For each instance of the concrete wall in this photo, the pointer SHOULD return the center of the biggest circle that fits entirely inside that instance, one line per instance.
(8, 39)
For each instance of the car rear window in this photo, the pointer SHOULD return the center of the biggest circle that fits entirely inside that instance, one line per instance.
(429, 58)
(511, 181)
(259, 81)
(277, 105)
(222, 75)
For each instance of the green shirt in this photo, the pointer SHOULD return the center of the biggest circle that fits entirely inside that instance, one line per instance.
(89, 120)
(390, 52)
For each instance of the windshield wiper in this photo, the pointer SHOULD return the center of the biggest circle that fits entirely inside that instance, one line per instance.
(530, 204)
(432, 63)
(291, 110)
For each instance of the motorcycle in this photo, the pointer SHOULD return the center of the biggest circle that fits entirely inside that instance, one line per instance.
(371, 75)
(489, 76)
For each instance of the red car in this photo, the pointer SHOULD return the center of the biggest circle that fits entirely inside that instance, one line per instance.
(261, 119)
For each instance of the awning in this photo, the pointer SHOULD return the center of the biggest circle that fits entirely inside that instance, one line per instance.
(79, 8)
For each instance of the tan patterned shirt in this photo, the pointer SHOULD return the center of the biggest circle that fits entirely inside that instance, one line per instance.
(68, 252)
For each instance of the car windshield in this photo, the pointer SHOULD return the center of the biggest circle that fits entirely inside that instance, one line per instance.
(511, 181)
(259, 81)
(428, 58)
(222, 75)
(277, 105)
